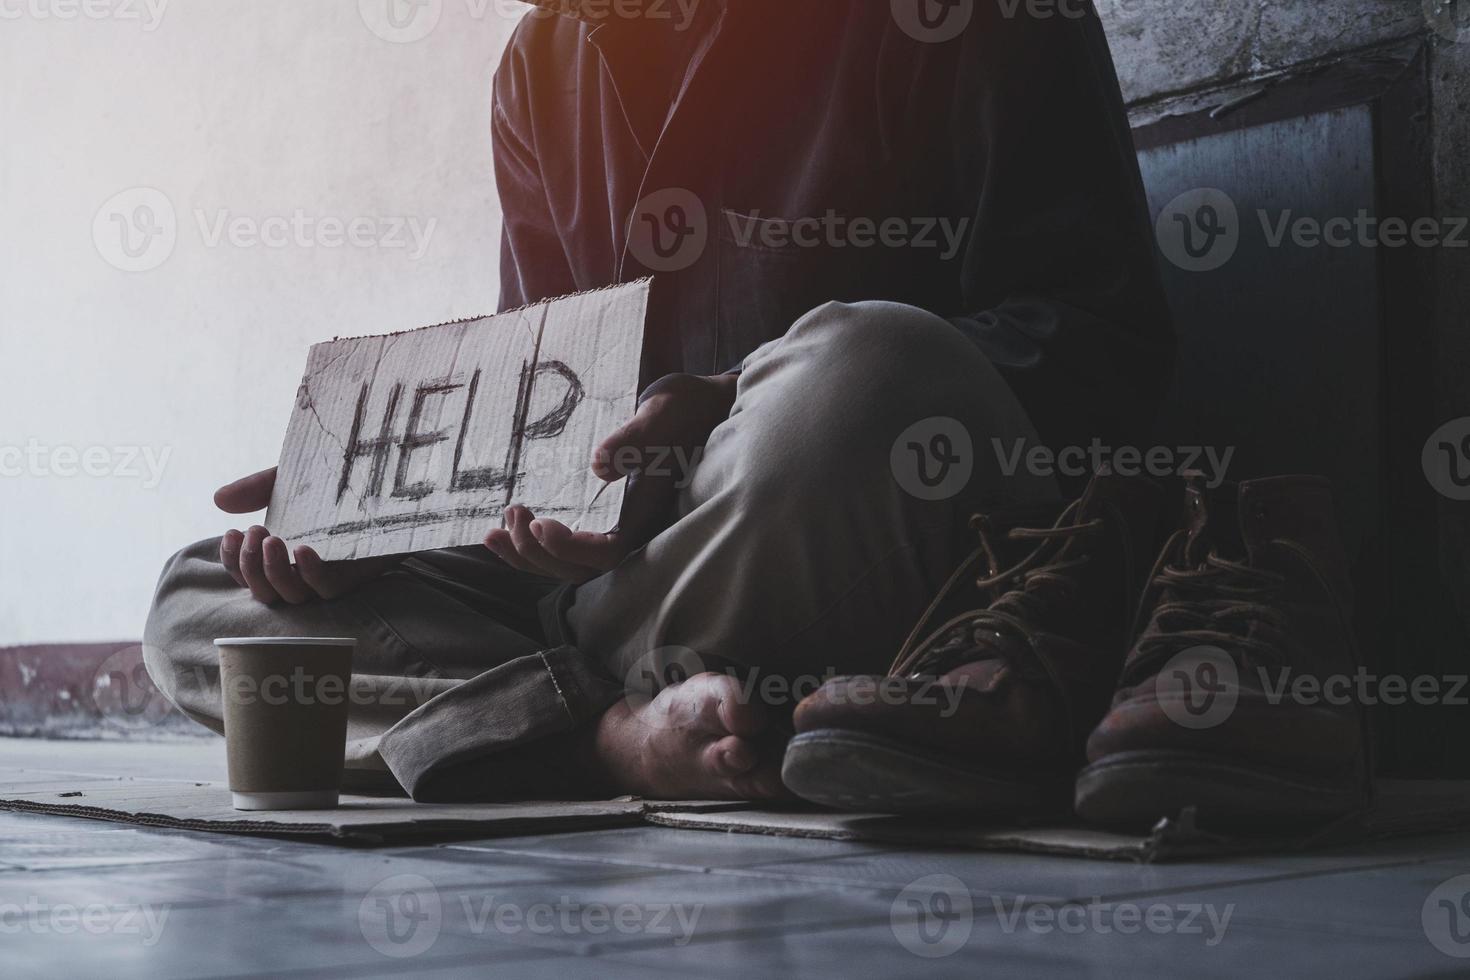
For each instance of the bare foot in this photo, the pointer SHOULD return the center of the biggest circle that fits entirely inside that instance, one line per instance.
(695, 740)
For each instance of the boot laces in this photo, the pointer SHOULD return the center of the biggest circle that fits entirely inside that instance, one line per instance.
(1024, 592)
(1220, 602)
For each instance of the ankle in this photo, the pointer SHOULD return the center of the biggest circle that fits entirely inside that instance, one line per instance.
(612, 752)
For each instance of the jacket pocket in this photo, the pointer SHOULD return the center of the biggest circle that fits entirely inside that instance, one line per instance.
(771, 272)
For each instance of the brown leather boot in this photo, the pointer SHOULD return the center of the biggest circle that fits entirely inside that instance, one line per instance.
(1248, 598)
(988, 713)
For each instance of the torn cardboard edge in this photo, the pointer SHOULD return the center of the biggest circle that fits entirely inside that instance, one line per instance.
(529, 818)
(1403, 809)
(458, 321)
(368, 821)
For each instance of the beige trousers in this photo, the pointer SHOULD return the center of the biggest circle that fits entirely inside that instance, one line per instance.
(823, 515)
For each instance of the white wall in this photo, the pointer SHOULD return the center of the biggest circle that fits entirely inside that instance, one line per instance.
(243, 109)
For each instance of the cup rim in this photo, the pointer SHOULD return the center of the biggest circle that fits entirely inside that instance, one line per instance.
(282, 641)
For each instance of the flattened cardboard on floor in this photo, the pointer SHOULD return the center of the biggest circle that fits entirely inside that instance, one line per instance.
(367, 820)
(1401, 808)
(204, 805)
(420, 440)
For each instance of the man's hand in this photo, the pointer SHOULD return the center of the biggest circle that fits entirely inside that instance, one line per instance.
(260, 562)
(654, 450)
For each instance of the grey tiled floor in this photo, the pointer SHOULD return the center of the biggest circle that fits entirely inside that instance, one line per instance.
(83, 898)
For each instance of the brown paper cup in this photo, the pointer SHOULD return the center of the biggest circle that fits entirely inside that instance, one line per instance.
(285, 706)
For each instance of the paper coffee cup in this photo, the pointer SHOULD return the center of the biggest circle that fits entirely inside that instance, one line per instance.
(285, 706)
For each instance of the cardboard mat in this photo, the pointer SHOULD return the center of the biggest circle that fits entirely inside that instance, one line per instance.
(1402, 809)
(361, 820)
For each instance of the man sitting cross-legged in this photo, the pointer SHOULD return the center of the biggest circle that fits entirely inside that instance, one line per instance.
(883, 261)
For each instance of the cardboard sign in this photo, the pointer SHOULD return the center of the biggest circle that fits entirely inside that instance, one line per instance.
(421, 440)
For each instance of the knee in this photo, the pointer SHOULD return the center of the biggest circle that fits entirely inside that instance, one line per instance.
(173, 616)
(178, 650)
(860, 368)
(823, 400)
(873, 342)
(855, 381)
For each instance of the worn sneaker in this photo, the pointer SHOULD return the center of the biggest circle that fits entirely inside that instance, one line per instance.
(988, 712)
(1248, 598)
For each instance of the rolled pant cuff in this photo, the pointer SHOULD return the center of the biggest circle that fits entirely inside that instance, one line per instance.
(456, 746)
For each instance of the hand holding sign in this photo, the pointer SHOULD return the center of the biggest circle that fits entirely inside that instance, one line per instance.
(260, 562)
(655, 451)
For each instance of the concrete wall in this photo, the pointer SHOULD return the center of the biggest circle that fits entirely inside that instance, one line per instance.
(1171, 48)
(1451, 78)
(234, 111)
(1165, 47)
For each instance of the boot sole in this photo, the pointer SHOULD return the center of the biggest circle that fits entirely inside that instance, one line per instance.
(1134, 790)
(849, 770)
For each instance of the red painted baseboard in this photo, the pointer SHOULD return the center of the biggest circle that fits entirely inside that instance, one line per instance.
(85, 690)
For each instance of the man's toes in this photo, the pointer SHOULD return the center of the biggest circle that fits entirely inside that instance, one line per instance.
(732, 711)
(763, 783)
(730, 756)
(743, 718)
(712, 703)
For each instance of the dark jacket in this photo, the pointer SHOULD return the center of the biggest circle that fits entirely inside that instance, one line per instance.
(830, 110)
